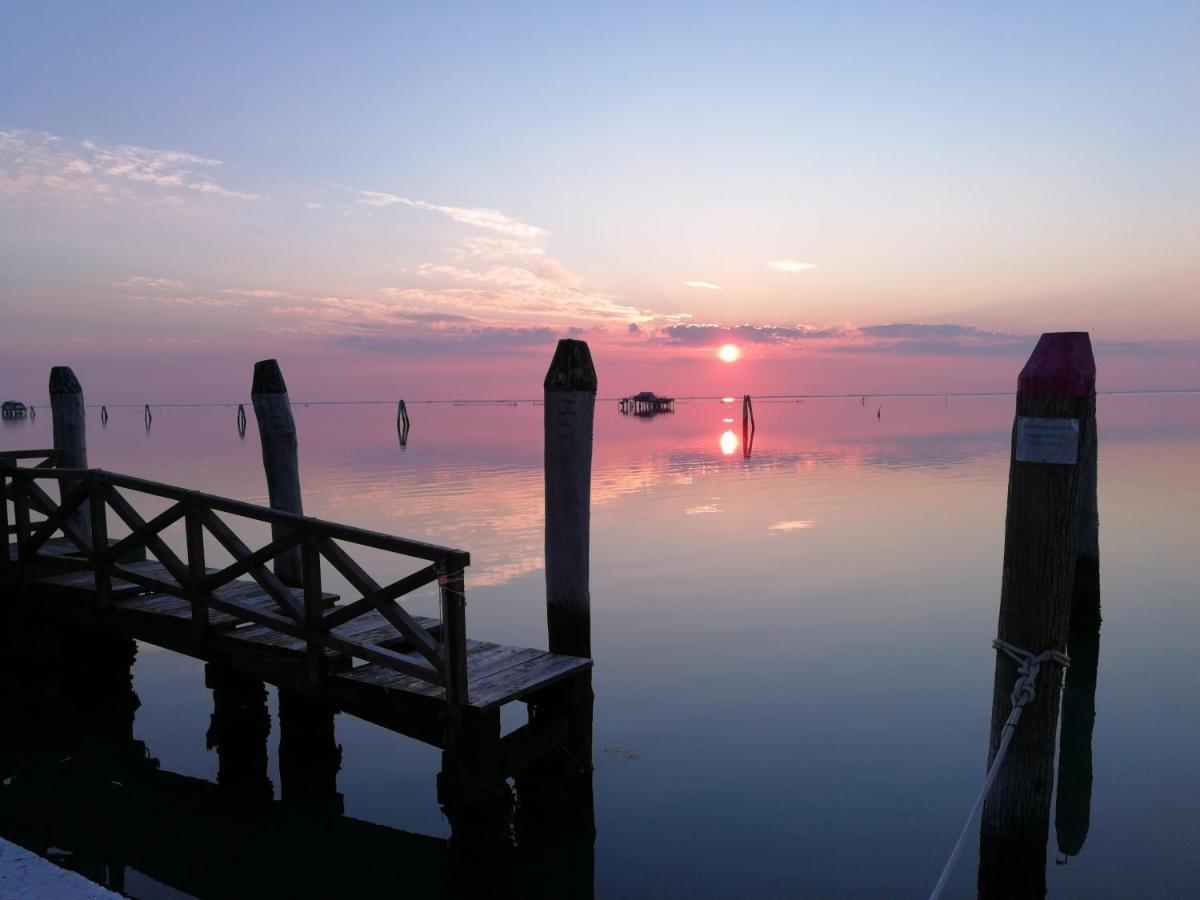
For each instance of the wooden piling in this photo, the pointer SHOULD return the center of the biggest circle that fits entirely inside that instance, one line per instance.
(70, 436)
(241, 420)
(103, 415)
(1085, 599)
(277, 433)
(569, 412)
(147, 416)
(1055, 397)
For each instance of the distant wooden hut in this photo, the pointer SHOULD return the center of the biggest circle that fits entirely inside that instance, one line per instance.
(646, 403)
(13, 410)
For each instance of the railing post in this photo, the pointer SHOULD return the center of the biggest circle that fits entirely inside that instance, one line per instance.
(454, 641)
(21, 514)
(70, 434)
(194, 528)
(314, 607)
(98, 510)
(6, 527)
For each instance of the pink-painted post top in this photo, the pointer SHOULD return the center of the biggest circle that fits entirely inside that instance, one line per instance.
(1061, 365)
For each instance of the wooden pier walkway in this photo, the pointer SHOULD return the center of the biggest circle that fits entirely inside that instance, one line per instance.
(365, 653)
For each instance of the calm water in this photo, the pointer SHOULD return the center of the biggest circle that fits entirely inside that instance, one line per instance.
(793, 671)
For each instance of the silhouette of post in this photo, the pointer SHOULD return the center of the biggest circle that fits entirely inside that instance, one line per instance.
(1055, 398)
(70, 437)
(277, 433)
(309, 755)
(570, 406)
(238, 731)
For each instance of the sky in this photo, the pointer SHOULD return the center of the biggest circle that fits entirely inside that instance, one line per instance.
(418, 200)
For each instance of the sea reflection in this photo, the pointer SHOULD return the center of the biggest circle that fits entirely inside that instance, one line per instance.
(792, 650)
(729, 443)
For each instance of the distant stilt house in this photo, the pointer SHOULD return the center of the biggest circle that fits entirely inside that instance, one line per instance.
(647, 403)
(14, 410)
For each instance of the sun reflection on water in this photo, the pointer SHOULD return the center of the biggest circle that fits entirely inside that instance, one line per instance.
(729, 443)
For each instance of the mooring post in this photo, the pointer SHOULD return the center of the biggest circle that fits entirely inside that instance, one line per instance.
(238, 731)
(1056, 396)
(70, 437)
(570, 406)
(277, 432)
(309, 755)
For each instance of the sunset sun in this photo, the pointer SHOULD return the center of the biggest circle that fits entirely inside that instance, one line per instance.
(729, 353)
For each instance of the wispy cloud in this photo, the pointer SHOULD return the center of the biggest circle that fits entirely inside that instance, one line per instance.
(146, 281)
(706, 285)
(706, 335)
(259, 293)
(38, 164)
(478, 217)
(790, 265)
(790, 525)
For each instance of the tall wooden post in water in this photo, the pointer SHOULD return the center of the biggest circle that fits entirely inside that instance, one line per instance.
(70, 435)
(570, 407)
(1056, 401)
(277, 432)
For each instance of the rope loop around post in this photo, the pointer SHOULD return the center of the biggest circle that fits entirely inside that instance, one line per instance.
(1023, 693)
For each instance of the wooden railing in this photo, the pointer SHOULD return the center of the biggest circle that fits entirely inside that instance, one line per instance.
(88, 497)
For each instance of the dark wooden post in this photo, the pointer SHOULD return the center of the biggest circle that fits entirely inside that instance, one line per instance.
(1055, 397)
(70, 436)
(570, 405)
(277, 432)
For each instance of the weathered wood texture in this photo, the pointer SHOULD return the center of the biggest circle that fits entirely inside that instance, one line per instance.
(70, 432)
(569, 414)
(372, 657)
(1041, 538)
(281, 461)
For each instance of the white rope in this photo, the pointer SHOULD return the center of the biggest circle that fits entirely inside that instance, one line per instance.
(1024, 691)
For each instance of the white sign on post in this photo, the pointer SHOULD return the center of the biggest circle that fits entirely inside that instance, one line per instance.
(1047, 440)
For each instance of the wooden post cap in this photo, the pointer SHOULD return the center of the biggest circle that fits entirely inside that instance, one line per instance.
(268, 379)
(1061, 365)
(63, 381)
(571, 369)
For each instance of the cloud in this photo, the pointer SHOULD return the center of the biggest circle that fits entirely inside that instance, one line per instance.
(478, 217)
(35, 164)
(706, 335)
(791, 525)
(259, 293)
(146, 281)
(790, 265)
(706, 285)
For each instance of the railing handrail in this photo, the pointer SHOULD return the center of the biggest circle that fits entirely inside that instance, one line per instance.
(443, 662)
(377, 539)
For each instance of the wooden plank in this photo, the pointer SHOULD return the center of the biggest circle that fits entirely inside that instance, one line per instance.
(272, 585)
(524, 678)
(405, 585)
(139, 526)
(483, 660)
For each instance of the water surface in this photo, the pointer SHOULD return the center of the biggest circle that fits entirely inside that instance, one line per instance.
(793, 671)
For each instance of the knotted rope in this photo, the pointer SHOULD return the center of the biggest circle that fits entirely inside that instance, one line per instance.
(1024, 692)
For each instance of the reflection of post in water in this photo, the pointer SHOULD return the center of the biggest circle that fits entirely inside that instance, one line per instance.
(238, 731)
(555, 821)
(1072, 807)
(309, 756)
(747, 427)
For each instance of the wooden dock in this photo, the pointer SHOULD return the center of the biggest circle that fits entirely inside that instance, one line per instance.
(79, 549)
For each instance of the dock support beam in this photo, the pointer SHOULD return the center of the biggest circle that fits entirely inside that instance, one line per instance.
(277, 432)
(70, 435)
(570, 406)
(1056, 398)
